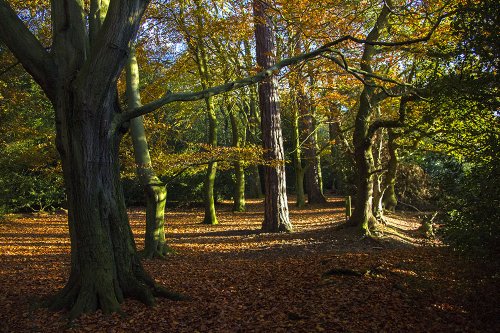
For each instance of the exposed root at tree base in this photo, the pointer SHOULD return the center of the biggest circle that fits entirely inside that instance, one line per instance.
(80, 298)
(159, 253)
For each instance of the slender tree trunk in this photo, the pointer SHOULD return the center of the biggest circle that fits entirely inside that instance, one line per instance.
(379, 188)
(256, 183)
(210, 215)
(313, 179)
(297, 160)
(253, 124)
(334, 134)
(254, 128)
(156, 193)
(239, 188)
(276, 218)
(198, 48)
(313, 172)
(390, 200)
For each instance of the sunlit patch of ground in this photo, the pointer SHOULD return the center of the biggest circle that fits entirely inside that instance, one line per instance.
(243, 280)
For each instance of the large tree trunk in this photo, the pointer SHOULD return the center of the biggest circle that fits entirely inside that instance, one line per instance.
(105, 267)
(155, 245)
(276, 218)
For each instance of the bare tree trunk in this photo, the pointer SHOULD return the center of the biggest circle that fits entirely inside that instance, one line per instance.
(276, 217)
(155, 245)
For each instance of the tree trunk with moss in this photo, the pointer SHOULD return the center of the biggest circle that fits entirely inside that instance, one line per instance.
(197, 47)
(362, 216)
(155, 245)
(253, 126)
(390, 199)
(239, 171)
(378, 179)
(313, 177)
(297, 162)
(276, 217)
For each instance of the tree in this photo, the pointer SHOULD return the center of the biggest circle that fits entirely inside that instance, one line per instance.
(363, 134)
(276, 218)
(156, 193)
(196, 45)
(79, 76)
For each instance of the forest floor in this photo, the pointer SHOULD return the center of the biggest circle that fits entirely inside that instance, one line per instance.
(320, 278)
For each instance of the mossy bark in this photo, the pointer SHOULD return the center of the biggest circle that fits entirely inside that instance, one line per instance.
(155, 245)
(297, 160)
(390, 199)
(105, 266)
(362, 216)
(197, 47)
(209, 185)
(239, 186)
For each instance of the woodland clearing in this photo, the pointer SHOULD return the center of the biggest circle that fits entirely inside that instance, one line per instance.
(320, 278)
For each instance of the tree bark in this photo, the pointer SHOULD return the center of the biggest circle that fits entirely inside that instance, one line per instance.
(155, 245)
(379, 186)
(253, 127)
(313, 179)
(390, 199)
(362, 216)
(239, 186)
(198, 48)
(276, 217)
(297, 162)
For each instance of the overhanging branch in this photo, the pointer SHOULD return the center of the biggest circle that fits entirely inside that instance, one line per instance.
(198, 95)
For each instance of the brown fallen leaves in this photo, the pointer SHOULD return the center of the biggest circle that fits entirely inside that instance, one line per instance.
(241, 280)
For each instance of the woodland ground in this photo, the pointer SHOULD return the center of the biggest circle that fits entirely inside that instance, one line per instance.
(242, 280)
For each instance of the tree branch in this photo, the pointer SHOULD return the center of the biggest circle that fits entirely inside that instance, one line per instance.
(111, 46)
(376, 125)
(193, 96)
(27, 49)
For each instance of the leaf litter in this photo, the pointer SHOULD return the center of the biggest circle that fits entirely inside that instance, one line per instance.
(320, 278)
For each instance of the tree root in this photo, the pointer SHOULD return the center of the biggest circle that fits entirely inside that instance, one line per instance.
(353, 272)
(83, 295)
(161, 252)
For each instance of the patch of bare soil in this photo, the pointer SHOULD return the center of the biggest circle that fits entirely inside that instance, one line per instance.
(320, 278)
